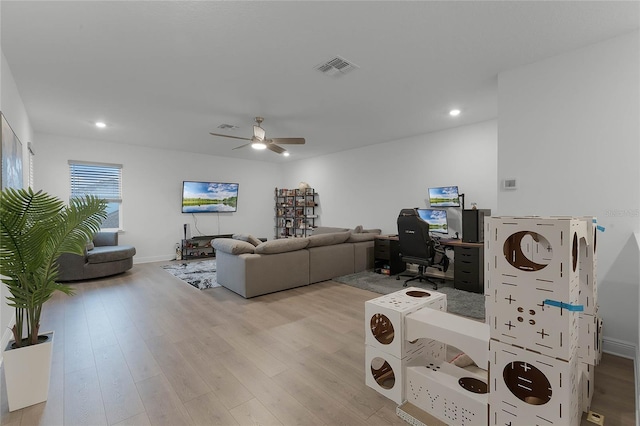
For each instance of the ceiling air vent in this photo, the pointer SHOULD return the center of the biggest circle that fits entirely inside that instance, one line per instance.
(228, 126)
(336, 67)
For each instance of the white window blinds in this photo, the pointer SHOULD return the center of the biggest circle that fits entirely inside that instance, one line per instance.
(101, 180)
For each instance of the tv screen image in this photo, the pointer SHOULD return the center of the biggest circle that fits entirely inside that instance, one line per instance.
(437, 220)
(209, 197)
(444, 196)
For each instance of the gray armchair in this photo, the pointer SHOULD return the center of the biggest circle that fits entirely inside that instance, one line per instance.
(102, 257)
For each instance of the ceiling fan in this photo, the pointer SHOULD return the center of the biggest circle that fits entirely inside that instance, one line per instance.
(258, 141)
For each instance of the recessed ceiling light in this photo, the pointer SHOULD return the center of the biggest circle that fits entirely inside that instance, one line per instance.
(100, 124)
(454, 112)
(286, 153)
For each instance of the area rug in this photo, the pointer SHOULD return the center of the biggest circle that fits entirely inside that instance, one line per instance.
(458, 302)
(200, 274)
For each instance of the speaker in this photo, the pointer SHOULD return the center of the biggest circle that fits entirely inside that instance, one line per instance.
(473, 225)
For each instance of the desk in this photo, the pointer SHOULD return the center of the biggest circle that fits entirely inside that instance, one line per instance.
(468, 264)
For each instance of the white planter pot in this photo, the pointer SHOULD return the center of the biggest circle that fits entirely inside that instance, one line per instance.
(27, 372)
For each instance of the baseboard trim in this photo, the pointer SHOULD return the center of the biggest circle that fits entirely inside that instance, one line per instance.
(151, 259)
(619, 347)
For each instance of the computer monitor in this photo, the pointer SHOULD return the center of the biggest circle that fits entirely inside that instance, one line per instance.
(436, 218)
(444, 196)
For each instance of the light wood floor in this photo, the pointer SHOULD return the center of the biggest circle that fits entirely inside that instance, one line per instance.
(145, 348)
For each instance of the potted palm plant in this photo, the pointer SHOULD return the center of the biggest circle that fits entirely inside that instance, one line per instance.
(35, 228)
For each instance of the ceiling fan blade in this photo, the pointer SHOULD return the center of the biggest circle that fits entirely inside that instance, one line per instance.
(288, 141)
(229, 136)
(242, 146)
(275, 148)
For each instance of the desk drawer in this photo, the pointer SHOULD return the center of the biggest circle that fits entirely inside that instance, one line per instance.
(382, 252)
(468, 269)
(461, 283)
(469, 255)
(468, 276)
(382, 249)
(466, 265)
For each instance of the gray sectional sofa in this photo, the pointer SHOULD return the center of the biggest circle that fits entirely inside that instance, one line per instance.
(253, 270)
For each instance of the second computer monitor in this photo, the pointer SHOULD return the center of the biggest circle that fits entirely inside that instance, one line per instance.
(436, 218)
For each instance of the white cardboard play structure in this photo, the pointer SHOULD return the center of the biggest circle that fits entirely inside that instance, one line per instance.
(535, 354)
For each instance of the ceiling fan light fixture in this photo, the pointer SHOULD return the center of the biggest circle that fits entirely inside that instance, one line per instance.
(286, 153)
(258, 145)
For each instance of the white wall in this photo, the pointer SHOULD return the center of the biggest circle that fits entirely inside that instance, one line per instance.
(152, 187)
(368, 186)
(568, 130)
(14, 111)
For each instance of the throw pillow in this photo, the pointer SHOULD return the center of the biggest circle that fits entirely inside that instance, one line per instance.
(357, 229)
(229, 245)
(282, 245)
(328, 239)
(89, 246)
(248, 238)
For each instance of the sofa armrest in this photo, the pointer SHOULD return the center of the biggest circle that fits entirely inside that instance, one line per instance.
(70, 266)
(105, 239)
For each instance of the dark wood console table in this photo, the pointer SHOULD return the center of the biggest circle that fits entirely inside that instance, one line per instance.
(200, 246)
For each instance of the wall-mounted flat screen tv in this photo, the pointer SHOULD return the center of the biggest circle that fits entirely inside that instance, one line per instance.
(444, 196)
(209, 197)
(437, 220)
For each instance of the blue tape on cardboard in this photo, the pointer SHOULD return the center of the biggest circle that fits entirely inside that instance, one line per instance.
(567, 306)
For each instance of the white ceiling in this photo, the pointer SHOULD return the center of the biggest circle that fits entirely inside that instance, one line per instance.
(165, 74)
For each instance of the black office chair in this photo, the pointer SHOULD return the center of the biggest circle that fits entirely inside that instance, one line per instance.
(417, 246)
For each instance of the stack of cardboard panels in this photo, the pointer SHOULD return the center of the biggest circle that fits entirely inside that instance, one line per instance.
(388, 352)
(589, 321)
(534, 303)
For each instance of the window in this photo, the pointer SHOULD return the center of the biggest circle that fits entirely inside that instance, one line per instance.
(103, 181)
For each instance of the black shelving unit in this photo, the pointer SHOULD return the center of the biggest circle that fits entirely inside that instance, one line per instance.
(295, 212)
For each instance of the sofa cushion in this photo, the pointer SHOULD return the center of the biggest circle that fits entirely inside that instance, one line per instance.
(248, 238)
(328, 239)
(358, 238)
(231, 246)
(110, 254)
(282, 245)
(328, 230)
